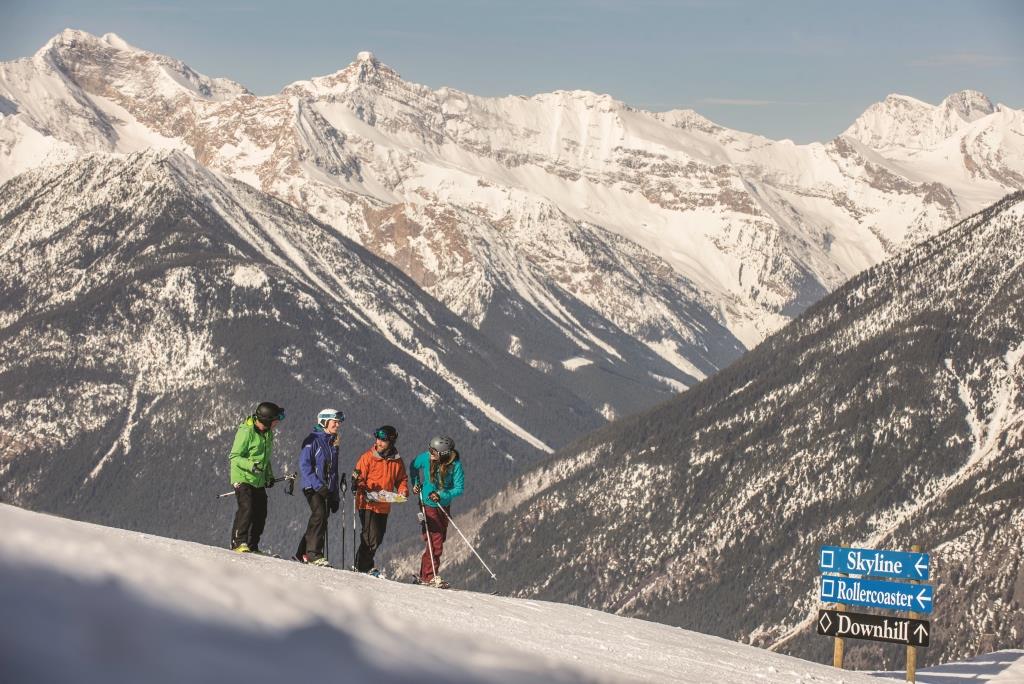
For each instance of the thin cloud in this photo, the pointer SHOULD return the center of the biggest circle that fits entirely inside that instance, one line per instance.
(732, 102)
(740, 102)
(179, 9)
(971, 59)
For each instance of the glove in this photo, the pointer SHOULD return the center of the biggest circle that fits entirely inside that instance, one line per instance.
(323, 491)
(257, 468)
(416, 489)
(270, 482)
(334, 504)
(435, 497)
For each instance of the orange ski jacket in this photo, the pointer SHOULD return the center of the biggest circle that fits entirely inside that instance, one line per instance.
(380, 472)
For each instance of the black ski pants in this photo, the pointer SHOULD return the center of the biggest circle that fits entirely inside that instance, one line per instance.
(251, 516)
(374, 526)
(312, 542)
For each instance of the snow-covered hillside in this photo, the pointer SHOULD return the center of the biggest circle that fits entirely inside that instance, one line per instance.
(559, 224)
(891, 413)
(99, 605)
(147, 305)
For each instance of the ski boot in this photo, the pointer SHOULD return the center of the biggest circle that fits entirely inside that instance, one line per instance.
(242, 548)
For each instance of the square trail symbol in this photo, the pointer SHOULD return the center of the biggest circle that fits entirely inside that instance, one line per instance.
(828, 588)
(828, 558)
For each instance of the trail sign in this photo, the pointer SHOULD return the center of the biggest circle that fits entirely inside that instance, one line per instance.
(876, 594)
(895, 630)
(873, 563)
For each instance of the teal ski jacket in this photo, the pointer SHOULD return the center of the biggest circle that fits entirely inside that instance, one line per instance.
(419, 473)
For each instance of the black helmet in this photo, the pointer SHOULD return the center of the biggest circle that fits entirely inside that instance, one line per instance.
(268, 412)
(386, 432)
(442, 445)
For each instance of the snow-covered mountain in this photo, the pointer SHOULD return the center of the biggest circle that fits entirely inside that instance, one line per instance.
(890, 414)
(148, 303)
(566, 226)
(103, 606)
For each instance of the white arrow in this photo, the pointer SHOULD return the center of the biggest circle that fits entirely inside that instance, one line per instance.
(921, 598)
(921, 566)
(921, 633)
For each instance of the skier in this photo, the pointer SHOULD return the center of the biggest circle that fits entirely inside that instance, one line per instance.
(437, 478)
(380, 469)
(318, 466)
(251, 475)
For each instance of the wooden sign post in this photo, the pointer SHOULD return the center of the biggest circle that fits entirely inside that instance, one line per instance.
(839, 646)
(847, 580)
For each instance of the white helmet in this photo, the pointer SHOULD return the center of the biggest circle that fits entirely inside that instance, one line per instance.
(329, 414)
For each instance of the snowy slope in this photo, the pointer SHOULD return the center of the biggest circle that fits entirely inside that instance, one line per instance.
(1000, 667)
(102, 605)
(890, 414)
(564, 225)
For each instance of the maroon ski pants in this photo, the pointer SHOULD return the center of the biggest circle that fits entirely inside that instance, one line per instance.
(436, 528)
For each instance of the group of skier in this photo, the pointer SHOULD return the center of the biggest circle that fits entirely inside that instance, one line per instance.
(379, 477)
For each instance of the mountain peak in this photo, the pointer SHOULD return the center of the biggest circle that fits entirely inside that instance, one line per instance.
(81, 55)
(68, 38)
(71, 38)
(969, 105)
(366, 69)
(901, 121)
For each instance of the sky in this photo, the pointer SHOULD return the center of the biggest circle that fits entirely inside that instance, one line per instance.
(784, 69)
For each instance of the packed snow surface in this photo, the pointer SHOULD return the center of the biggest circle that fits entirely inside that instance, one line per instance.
(86, 603)
(1001, 667)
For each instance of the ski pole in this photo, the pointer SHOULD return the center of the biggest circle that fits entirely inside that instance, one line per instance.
(288, 490)
(327, 532)
(344, 490)
(355, 514)
(426, 537)
(493, 576)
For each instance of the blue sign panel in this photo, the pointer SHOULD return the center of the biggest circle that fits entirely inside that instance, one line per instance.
(871, 563)
(876, 593)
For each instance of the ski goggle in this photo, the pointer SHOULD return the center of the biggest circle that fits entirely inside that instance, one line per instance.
(442, 454)
(385, 435)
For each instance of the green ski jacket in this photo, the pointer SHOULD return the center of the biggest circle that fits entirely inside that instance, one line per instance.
(250, 455)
